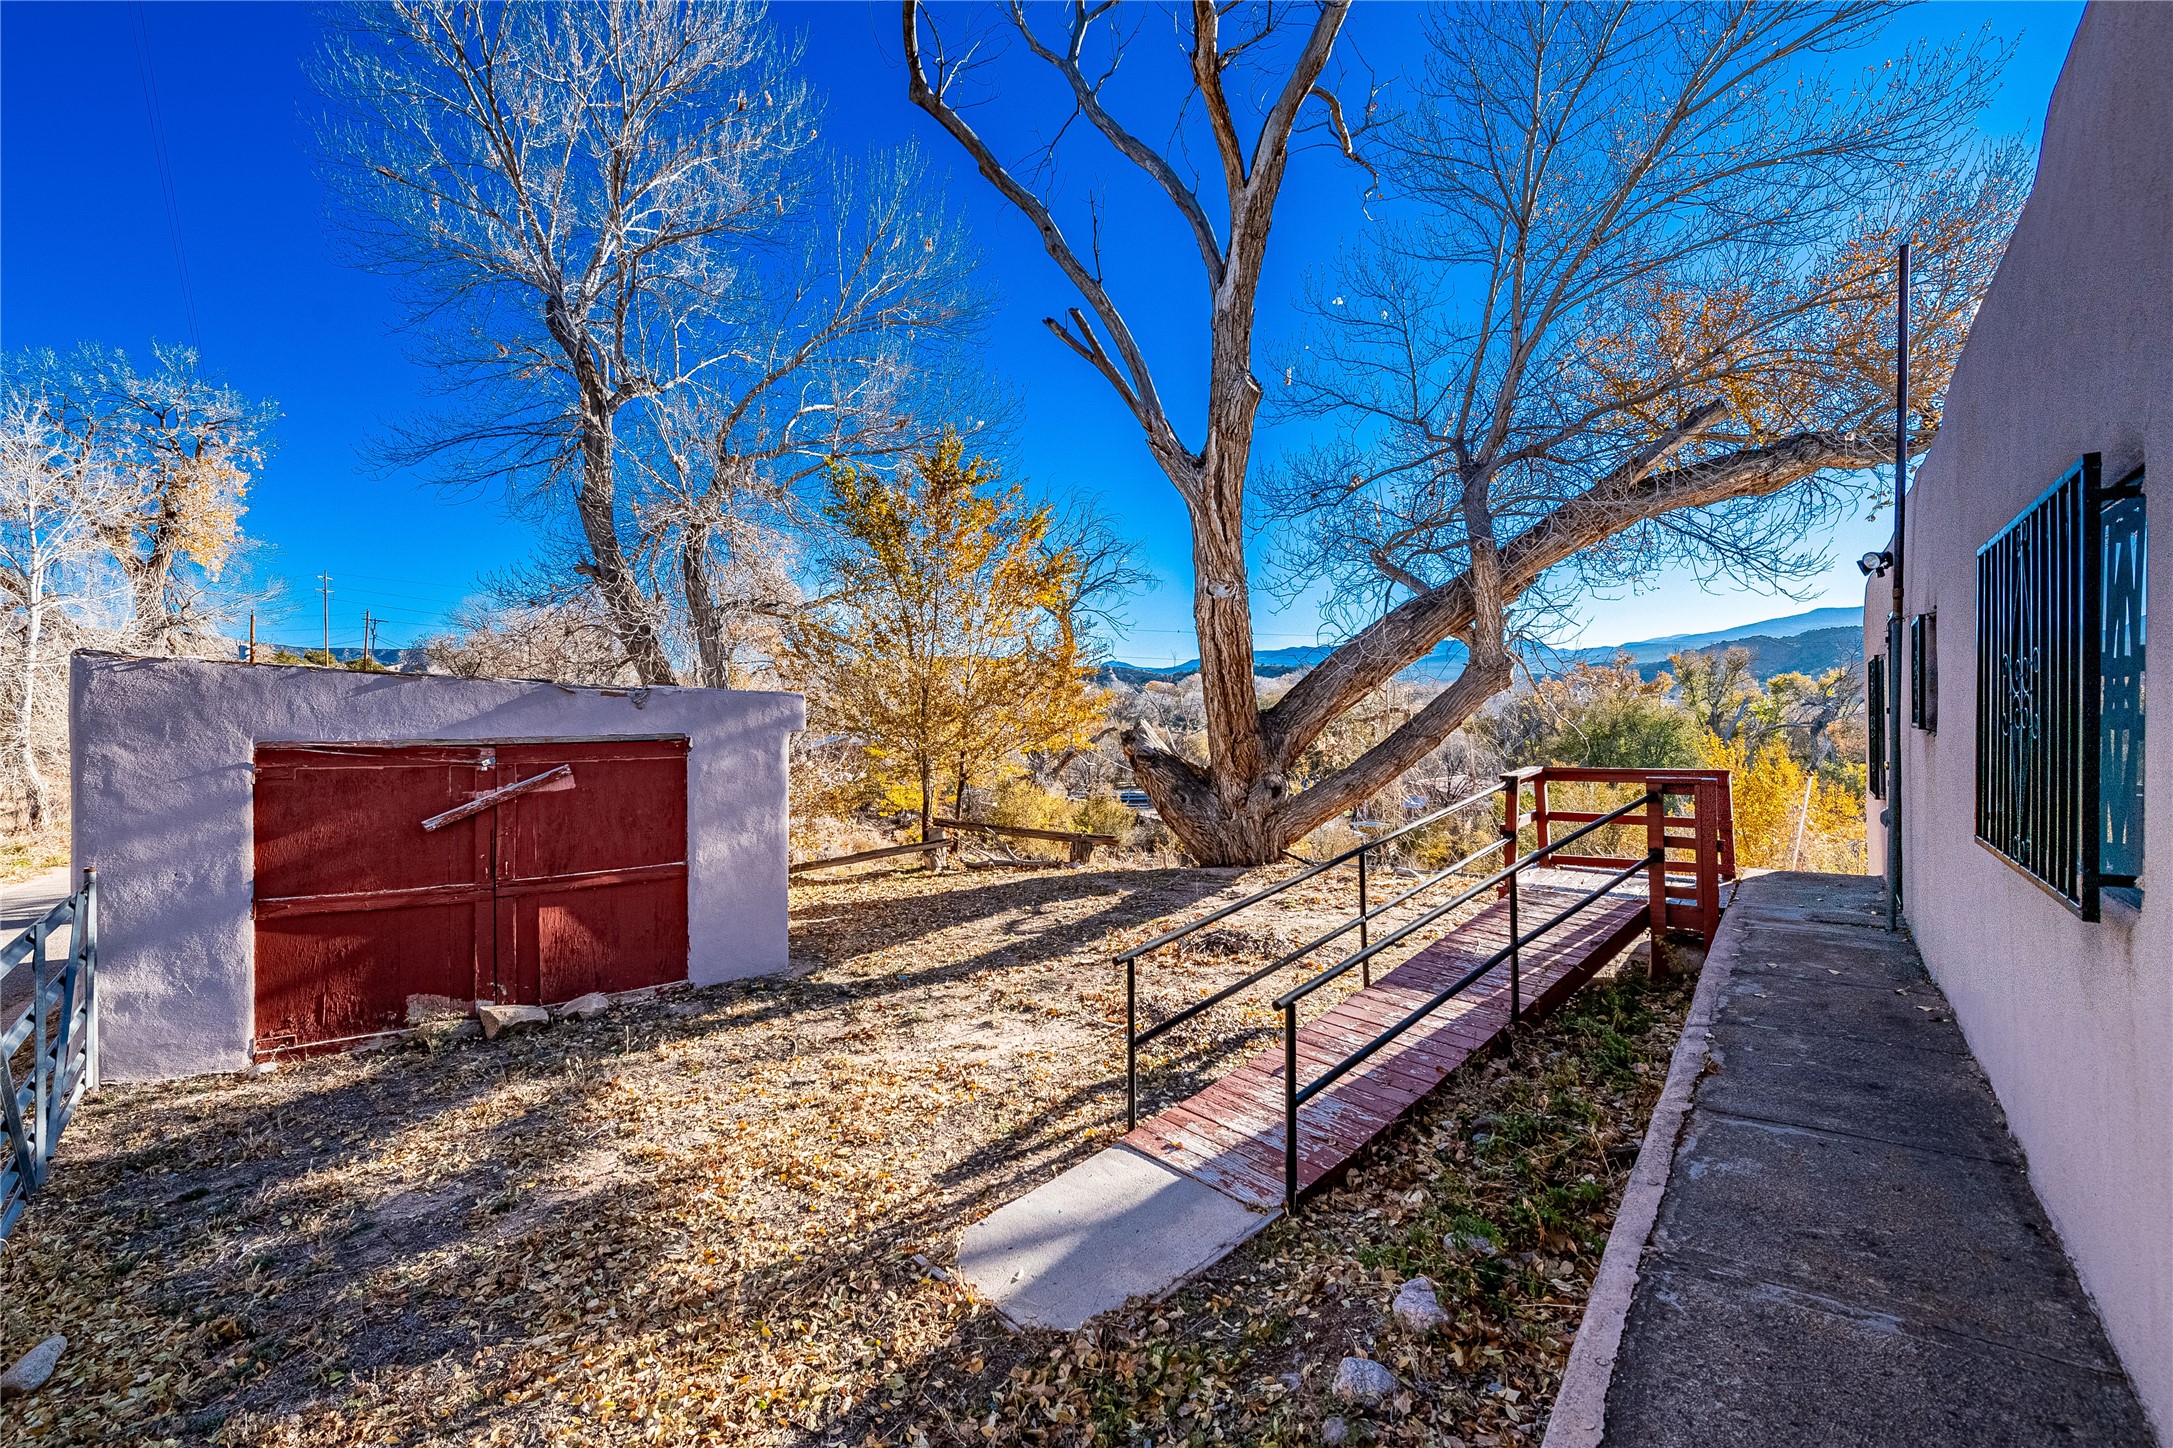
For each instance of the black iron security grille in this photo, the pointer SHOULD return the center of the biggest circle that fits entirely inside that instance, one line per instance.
(2043, 594)
(1875, 719)
(1924, 672)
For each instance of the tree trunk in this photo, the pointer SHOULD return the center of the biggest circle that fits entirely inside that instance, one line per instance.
(37, 796)
(712, 660)
(928, 798)
(632, 618)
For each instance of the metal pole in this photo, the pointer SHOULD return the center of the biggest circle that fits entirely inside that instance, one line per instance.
(87, 948)
(1365, 971)
(40, 1125)
(1290, 1109)
(1131, 1045)
(1516, 962)
(324, 593)
(1894, 617)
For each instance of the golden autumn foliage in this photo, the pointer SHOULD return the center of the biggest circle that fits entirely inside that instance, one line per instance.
(1787, 817)
(1788, 349)
(946, 645)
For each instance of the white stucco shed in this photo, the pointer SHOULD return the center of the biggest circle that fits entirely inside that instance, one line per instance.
(164, 784)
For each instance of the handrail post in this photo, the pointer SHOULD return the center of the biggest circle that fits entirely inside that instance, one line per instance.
(1540, 811)
(1705, 798)
(1512, 815)
(1366, 970)
(1656, 859)
(1516, 954)
(86, 949)
(1131, 1044)
(1290, 1109)
(41, 1066)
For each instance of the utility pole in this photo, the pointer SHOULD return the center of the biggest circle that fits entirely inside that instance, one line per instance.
(366, 654)
(324, 592)
(1894, 617)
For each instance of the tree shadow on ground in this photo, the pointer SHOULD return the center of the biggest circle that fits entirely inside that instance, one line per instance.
(398, 1241)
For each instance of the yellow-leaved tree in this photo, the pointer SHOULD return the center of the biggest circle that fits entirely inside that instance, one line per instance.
(1787, 817)
(945, 640)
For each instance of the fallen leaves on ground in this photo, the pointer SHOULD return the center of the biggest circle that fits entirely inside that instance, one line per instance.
(722, 1216)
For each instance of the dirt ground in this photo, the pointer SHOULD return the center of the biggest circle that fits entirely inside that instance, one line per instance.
(723, 1215)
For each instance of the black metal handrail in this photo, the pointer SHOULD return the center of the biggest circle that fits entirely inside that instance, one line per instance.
(1295, 1096)
(1134, 1038)
(1302, 876)
(1507, 872)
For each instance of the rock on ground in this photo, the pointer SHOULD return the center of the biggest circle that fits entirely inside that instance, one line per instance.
(580, 1008)
(437, 1035)
(499, 1019)
(33, 1368)
(1335, 1431)
(1363, 1381)
(425, 1008)
(1416, 1306)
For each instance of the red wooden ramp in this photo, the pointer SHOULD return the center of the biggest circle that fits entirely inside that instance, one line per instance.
(1230, 1136)
(1365, 1061)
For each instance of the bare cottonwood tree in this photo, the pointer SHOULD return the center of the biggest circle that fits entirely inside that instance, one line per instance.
(562, 187)
(1224, 813)
(179, 448)
(1637, 293)
(846, 345)
(1641, 312)
(565, 640)
(610, 226)
(55, 501)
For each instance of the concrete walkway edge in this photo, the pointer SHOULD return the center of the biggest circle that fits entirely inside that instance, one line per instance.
(1579, 1417)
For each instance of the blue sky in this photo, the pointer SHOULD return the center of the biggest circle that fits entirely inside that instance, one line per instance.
(86, 254)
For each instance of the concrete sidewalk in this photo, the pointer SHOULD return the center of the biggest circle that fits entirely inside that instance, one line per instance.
(1846, 1247)
(24, 900)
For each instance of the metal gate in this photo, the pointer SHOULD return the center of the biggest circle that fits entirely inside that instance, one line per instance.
(515, 871)
(48, 1042)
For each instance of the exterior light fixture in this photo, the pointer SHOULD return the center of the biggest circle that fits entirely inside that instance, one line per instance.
(1871, 565)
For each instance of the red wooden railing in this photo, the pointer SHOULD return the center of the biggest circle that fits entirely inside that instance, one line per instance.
(1695, 816)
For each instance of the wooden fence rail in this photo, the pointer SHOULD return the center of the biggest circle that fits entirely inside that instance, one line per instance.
(1082, 845)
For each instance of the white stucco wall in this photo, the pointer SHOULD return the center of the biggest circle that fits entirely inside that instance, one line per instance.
(2072, 353)
(163, 781)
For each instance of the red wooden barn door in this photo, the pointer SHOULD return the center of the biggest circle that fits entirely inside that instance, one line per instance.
(537, 897)
(357, 907)
(592, 881)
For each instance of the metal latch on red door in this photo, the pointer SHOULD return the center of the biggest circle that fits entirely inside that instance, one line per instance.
(551, 781)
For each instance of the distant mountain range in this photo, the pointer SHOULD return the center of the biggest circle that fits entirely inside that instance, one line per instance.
(1812, 642)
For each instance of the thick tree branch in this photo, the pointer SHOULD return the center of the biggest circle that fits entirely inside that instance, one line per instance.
(1620, 500)
(1207, 63)
(1367, 775)
(1087, 345)
(1145, 402)
(1087, 95)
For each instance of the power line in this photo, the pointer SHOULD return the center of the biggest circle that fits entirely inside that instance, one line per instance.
(142, 31)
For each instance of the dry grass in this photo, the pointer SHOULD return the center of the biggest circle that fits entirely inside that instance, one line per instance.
(23, 854)
(697, 1220)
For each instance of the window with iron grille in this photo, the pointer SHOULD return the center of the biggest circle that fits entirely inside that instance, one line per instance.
(1875, 719)
(2060, 687)
(2124, 552)
(1924, 672)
